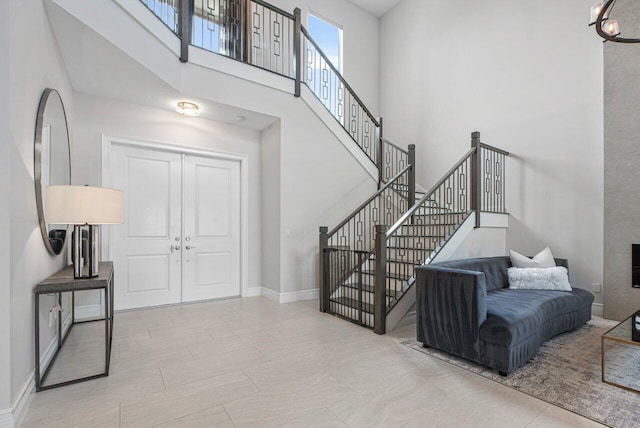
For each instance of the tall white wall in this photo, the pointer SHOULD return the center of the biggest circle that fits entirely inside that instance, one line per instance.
(528, 75)
(360, 42)
(621, 158)
(5, 224)
(271, 200)
(97, 116)
(34, 64)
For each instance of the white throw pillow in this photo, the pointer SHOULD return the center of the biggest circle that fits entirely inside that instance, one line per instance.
(544, 259)
(555, 278)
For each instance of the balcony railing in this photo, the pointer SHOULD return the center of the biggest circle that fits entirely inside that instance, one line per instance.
(267, 37)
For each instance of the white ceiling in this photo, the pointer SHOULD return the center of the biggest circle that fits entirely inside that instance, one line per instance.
(376, 7)
(96, 67)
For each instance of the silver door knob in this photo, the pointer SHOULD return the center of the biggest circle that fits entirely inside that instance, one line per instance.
(188, 247)
(176, 248)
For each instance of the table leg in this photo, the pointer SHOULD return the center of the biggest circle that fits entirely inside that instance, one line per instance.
(60, 321)
(37, 338)
(107, 341)
(602, 356)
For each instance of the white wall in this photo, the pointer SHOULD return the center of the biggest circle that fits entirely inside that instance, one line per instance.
(271, 200)
(35, 64)
(5, 215)
(360, 42)
(96, 116)
(528, 75)
(321, 182)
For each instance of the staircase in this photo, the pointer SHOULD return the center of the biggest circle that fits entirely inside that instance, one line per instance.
(367, 262)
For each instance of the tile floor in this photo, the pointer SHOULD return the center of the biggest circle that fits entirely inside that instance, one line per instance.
(255, 363)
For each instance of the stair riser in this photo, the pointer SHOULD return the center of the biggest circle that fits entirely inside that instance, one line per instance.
(348, 312)
(409, 255)
(393, 267)
(414, 242)
(353, 294)
(370, 280)
(430, 229)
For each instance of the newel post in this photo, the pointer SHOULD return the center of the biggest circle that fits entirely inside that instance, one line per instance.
(297, 49)
(323, 268)
(380, 290)
(412, 176)
(185, 11)
(476, 177)
(380, 154)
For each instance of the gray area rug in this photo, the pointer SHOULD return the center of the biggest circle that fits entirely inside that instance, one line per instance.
(566, 373)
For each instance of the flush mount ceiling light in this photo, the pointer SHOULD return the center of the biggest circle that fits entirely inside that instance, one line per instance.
(608, 29)
(188, 109)
(239, 119)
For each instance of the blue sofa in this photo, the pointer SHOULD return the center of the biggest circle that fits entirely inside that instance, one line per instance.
(465, 308)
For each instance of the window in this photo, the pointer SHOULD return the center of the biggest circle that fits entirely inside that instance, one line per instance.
(329, 38)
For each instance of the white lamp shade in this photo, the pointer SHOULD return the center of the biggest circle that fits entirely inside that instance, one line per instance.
(83, 205)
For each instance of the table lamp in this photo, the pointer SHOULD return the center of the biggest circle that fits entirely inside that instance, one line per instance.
(84, 206)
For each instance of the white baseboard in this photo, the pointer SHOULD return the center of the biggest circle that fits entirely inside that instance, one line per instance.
(270, 294)
(24, 401)
(300, 296)
(88, 311)
(6, 419)
(597, 310)
(291, 297)
(253, 292)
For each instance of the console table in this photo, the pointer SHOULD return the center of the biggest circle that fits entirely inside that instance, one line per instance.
(63, 282)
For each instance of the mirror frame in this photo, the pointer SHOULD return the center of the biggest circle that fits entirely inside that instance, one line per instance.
(37, 169)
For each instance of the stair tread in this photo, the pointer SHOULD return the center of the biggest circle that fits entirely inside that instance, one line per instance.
(393, 247)
(368, 288)
(430, 224)
(389, 275)
(395, 260)
(352, 303)
(417, 236)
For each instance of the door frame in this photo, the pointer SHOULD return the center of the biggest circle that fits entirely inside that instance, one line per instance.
(109, 141)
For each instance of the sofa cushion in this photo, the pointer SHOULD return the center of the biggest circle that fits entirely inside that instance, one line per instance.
(514, 315)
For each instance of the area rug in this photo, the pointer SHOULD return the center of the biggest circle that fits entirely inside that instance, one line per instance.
(566, 372)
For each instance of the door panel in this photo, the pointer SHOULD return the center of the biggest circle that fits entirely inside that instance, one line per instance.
(145, 248)
(213, 195)
(211, 256)
(149, 198)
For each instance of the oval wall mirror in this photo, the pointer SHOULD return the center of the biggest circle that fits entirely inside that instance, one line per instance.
(52, 163)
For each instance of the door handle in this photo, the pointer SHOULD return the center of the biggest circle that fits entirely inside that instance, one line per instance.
(188, 247)
(176, 248)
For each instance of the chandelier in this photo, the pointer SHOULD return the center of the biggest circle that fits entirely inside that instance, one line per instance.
(608, 29)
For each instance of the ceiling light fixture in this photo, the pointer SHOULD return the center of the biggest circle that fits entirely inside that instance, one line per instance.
(239, 119)
(186, 108)
(608, 29)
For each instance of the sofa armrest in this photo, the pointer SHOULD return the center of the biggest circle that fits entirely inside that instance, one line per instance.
(450, 307)
(563, 263)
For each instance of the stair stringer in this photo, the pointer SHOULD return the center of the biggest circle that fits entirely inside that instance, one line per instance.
(466, 242)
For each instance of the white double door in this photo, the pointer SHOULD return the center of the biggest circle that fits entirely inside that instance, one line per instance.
(181, 238)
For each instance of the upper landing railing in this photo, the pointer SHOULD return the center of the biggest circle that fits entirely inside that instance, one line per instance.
(265, 36)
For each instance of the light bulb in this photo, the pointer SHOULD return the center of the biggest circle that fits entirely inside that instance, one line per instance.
(595, 11)
(612, 28)
(188, 109)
